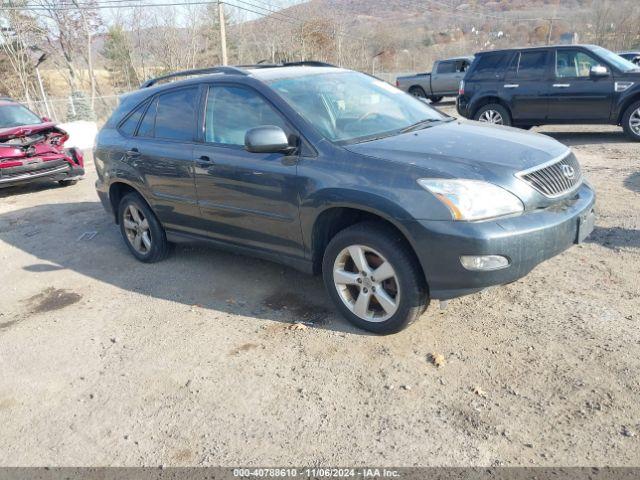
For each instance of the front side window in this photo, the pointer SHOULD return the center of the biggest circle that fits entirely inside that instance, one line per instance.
(574, 64)
(232, 111)
(532, 65)
(15, 115)
(349, 106)
(462, 66)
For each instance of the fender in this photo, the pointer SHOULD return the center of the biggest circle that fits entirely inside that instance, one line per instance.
(623, 101)
(326, 199)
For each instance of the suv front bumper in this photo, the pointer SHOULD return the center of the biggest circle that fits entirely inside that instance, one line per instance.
(525, 240)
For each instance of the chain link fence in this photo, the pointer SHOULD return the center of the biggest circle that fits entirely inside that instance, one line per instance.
(61, 110)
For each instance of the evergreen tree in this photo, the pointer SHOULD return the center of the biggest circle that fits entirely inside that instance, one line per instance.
(80, 107)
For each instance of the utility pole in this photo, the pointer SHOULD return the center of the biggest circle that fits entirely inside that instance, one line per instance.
(223, 32)
(549, 34)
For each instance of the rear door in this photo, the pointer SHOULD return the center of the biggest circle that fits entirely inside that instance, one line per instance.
(526, 84)
(246, 198)
(575, 95)
(161, 153)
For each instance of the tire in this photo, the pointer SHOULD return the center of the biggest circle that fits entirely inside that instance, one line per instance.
(152, 245)
(67, 183)
(418, 92)
(631, 121)
(488, 111)
(347, 283)
(435, 99)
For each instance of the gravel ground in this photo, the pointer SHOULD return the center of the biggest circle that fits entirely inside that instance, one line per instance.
(194, 361)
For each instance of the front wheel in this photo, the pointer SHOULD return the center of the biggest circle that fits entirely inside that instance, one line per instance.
(631, 121)
(372, 277)
(493, 113)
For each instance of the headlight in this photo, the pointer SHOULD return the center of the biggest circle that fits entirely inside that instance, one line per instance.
(473, 199)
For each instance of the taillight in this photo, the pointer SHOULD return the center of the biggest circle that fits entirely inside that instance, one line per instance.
(461, 88)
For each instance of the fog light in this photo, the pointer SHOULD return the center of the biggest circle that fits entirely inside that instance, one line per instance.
(484, 262)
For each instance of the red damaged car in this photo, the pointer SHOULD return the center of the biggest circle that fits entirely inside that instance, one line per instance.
(33, 148)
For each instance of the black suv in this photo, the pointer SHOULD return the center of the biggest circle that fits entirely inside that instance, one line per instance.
(333, 171)
(552, 85)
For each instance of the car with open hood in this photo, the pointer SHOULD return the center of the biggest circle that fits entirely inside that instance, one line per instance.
(338, 173)
(32, 148)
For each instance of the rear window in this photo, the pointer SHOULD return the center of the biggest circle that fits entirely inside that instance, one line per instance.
(176, 115)
(171, 115)
(532, 65)
(446, 67)
(490, 65)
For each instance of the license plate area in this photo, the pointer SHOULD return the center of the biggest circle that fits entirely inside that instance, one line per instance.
(586, 224)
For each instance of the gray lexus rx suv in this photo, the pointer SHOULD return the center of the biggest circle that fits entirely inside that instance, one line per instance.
(335, 172)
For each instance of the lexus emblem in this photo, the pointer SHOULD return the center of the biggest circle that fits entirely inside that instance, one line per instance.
(568, 171)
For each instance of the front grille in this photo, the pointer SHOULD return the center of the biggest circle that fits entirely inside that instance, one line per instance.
(555, 179)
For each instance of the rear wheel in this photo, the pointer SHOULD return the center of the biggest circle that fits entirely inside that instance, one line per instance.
(417, 92)
(631, 121)
(372, 277)
(493, 113)
(142, 232)
(435, 99)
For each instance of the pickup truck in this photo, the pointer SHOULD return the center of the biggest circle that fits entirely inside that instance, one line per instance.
(563, 84)
(442, 81)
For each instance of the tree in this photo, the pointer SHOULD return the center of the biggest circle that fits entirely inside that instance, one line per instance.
(19, 33)
(117, 52)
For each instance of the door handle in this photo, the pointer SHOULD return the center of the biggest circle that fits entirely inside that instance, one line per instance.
(133, 153)
(561, 85)
(511, 85)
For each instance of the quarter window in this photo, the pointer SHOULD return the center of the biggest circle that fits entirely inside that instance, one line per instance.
(574, 64)
(128, 127)
(232, 111)
(148, 122)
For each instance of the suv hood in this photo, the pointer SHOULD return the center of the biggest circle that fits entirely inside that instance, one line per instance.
(459, 149)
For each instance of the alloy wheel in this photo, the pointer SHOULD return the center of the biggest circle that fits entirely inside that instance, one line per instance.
(136, 226)
(634, 122)
(367, 283)
(491, 116)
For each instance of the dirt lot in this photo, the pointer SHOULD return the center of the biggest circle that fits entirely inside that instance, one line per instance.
(193, 361)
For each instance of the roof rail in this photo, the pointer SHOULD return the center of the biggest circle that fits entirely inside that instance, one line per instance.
(200, 71)
(303, 63)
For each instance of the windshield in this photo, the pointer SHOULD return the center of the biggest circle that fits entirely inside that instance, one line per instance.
(615, 60)
(348, 107)
(14, 115)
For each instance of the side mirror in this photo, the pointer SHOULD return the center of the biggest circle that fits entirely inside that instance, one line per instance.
(267, 139)
(598, 71)
(46, 119)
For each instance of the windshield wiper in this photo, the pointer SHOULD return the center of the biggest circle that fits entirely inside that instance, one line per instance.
(421, 124)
